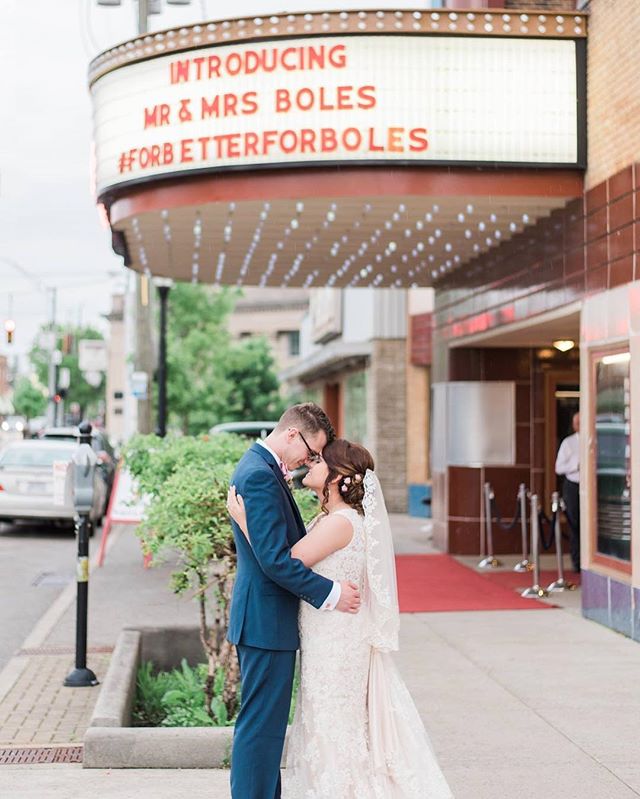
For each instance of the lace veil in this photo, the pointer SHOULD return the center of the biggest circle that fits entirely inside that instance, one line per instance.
(380, 590)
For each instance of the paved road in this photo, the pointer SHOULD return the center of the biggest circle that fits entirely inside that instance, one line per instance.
(36, 562)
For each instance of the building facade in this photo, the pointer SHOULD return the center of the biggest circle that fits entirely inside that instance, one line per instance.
(117, 389)
(570, 278)
(274, 315)
(490, 153)
(353, 362)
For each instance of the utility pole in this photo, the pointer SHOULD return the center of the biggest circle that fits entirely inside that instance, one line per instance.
(164, 287)
(143, 17)
(144, 347)
(53, 366)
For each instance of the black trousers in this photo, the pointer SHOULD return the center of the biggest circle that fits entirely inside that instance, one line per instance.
(571, 496)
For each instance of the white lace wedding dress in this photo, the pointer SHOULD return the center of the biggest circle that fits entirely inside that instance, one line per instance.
(356, 733)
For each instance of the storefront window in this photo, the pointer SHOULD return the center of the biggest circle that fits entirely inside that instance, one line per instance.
(613, 455)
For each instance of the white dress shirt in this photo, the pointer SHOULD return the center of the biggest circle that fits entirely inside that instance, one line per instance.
(568, 460)
(334, 595)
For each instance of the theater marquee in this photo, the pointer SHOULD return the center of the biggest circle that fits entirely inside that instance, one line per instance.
(357, 98)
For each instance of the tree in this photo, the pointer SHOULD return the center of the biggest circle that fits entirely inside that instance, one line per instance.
(210, 378)
(197, 341)
(87, 396)
(251, 370)
(28, 400)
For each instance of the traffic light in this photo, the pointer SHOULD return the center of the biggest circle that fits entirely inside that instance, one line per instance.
(10, 327)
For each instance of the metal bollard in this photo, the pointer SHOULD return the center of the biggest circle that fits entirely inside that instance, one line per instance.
(560, 584)
(490, 561)
(536, 591)
(525, 564)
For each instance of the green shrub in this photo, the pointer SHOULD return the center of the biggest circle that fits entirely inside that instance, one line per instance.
(177, 698)
(187, 480)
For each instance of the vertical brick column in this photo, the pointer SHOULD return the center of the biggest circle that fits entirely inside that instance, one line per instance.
(387, 422)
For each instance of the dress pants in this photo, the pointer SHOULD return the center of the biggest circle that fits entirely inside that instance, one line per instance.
(267, 680)
(571, 496)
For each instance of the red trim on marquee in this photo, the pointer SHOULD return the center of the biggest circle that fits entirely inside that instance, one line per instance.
(344, 182)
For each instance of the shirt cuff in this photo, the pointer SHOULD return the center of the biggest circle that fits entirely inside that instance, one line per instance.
(334, 597)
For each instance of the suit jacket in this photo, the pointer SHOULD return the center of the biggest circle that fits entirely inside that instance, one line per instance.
(269, 582)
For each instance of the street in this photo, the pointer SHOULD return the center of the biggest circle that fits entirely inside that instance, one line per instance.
(36, 563)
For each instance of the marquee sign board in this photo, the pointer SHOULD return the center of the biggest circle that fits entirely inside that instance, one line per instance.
(341, 99)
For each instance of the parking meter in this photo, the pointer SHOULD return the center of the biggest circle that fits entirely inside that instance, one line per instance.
(84, 463)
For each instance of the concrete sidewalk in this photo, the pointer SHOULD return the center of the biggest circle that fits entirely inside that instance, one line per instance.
(541, 703)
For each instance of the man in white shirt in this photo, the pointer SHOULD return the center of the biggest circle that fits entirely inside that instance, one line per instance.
(568, 465)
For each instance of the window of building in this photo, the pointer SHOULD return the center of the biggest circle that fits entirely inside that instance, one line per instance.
(613, 455)
(293, 341)
(355, 407)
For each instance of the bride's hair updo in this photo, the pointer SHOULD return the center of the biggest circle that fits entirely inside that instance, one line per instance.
(349, 462)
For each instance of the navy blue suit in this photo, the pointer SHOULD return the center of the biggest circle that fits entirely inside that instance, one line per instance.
(263, 621)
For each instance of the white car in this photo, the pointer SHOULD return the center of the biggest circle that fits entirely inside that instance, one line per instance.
(26, 482)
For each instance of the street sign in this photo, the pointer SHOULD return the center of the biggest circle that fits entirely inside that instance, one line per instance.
(64, 377)
(93, 378)
(139, 385)
(92, 355)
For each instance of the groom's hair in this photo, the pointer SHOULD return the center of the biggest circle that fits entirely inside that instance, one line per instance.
(309, 418)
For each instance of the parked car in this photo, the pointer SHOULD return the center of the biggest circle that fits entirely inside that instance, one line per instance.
(107, 460)
(37, 425)
(26, 482)
(13, 426)
(247, 429)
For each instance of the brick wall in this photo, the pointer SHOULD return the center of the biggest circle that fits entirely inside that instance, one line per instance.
(590, 245)
(613, 93)
(387, 421)
(420, 339)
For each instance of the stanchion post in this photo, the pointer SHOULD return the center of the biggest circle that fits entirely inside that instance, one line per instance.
(84, 464)
(490, 561)
(560, 584)
(535, 591)
(525, 564)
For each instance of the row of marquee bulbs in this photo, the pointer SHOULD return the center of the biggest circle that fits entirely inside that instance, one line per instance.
(330, 217)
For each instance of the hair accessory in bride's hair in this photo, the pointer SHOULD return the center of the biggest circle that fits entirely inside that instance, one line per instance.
(358, 478)
(344, 489)
(347, 481)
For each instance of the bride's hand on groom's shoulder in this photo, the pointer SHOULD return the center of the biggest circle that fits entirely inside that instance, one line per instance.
(235, 506)
(349, 597)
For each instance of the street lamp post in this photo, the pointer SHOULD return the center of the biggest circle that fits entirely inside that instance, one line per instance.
(164, 287)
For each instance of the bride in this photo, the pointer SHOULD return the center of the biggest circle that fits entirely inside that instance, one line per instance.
(356, 733)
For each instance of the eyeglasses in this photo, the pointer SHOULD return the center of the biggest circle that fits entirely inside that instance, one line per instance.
(314, 456)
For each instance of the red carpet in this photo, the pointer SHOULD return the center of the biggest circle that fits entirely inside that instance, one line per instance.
(428, 583)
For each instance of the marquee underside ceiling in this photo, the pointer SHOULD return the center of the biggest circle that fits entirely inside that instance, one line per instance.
(391, 240)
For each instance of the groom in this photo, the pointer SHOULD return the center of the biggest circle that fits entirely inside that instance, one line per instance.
(263, 622)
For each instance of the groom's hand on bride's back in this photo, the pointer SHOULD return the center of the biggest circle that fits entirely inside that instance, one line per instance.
(349, 597)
